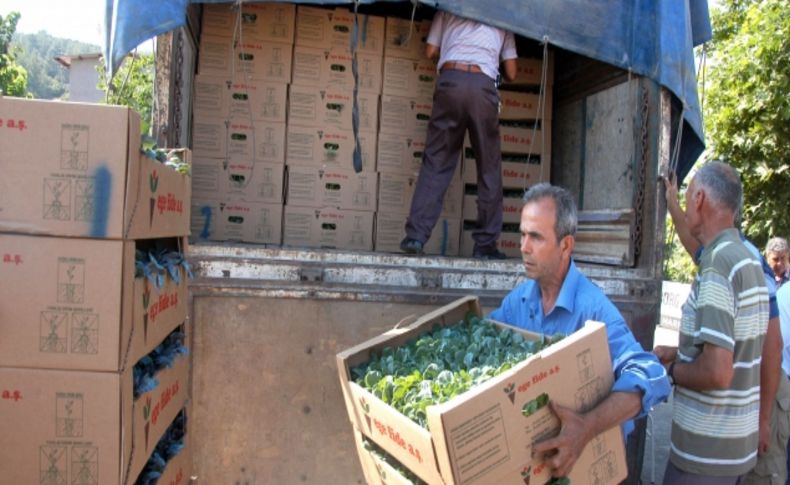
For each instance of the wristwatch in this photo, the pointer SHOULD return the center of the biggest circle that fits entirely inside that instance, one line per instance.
(671, 373)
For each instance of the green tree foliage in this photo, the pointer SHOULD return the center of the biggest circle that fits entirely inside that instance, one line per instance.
(47, 79)
(132, 86)
(13, 77)
(678, 265)
(747, 108)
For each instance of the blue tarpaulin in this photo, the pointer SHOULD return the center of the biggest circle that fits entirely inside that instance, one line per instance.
(652, 38)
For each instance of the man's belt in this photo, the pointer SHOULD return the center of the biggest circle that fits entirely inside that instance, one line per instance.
(461, 66)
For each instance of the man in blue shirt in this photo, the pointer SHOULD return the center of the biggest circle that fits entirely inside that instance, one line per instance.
(558, 298)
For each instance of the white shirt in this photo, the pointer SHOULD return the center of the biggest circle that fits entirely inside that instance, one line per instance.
(470, 42)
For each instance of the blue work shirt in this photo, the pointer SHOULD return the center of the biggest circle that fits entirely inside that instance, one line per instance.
(580, 300)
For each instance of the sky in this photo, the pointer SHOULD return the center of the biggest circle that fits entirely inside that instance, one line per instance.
(77, 20)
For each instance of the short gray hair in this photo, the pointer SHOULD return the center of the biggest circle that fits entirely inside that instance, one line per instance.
(777, 245)
(567, 219)
(722, 183)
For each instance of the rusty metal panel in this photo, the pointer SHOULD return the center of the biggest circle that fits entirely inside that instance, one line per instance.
(568, 142)
(267, 405)
(609, 148)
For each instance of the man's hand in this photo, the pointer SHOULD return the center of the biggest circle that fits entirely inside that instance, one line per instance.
(562, 451)
(670, 187)
(764, 438)
(666, 354)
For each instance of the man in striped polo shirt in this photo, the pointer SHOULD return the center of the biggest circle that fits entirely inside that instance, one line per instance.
(716, 369)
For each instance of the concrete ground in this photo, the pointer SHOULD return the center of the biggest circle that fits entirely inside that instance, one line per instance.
(659, 425)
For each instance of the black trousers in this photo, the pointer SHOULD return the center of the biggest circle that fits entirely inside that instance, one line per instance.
(462, 101)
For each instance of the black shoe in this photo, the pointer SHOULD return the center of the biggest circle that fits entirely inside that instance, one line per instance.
(411, 246)
(488, 253)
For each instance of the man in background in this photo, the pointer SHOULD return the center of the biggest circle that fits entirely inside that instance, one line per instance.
(777, 253)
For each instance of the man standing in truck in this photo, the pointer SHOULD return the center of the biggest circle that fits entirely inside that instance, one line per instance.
(558, 298)
(465, 98)
(716, 368)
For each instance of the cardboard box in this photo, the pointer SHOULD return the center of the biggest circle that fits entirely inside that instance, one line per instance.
(518, 140)
(322, 28)
(379, 467)
(260, 22)
(332, 67)
(481, 436)
(397, 190)
(409, 78)
(509, 241)
(390, 231)
(409, 116)
(515, 175)
(517, 106)
(179, 469)
(218, 179)
(511, 207)
(327, 228)
(252, 222)
(61, 310)
(529, 72)
(400, 153)
(218, 97)
(328, 148)
(239, 139)
(84, 427)
(203, 224)
(73, 169)
(406, 39)
(246, 61)
(331, 108)
(330, 187)
(208, 179)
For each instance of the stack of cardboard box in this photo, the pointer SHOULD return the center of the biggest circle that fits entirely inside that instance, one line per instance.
(77, 200)
(328, 204)
(241, 93)
(274, 141)
(525, 135)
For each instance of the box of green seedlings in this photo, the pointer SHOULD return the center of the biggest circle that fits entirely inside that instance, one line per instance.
(457, 398)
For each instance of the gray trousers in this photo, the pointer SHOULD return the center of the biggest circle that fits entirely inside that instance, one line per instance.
(462, 101)
(675, 476)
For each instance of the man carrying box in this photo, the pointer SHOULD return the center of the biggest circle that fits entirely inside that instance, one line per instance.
(465, 98)
(558, 298)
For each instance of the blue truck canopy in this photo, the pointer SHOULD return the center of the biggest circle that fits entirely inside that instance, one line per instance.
(651, 38)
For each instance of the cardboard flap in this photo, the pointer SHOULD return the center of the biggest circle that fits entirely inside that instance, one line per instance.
(158, 199)
(401, 437)
(474, 432)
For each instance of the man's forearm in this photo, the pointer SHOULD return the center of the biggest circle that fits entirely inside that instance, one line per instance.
(770, 369)
(711, 370)
(612, 411)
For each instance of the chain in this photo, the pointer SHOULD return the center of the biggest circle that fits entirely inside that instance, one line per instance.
(177, 88)
(636, 236)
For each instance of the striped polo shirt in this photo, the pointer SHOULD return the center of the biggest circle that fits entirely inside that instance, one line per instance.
(715, 432)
